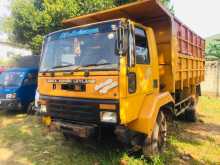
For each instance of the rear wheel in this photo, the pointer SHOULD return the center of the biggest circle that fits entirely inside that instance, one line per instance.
(156, 143)
(190, 114)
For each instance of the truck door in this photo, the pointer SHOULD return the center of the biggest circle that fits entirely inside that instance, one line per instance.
(139, 73)
(142, 67)
(28, 88)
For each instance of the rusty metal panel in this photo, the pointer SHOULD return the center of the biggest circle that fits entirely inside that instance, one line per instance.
(189, 43)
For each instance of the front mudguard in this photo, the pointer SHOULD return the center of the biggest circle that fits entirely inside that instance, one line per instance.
(149, 111)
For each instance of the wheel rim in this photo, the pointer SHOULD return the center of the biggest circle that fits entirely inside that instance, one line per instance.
(162, 133)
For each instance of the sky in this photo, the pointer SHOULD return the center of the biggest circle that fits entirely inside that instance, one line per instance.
(4, 12)
(3, 8)
(202, 16)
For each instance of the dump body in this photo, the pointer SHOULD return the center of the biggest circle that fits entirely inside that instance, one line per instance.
(180, 50)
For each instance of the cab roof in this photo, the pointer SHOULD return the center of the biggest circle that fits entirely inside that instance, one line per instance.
(23, 70)
(138, 11)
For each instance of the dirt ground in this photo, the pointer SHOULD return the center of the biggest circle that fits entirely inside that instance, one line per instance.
(25, 141)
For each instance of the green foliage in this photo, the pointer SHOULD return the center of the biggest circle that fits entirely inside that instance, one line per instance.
(89, 6)
(168, 5)
(32, 19)
(213, 48)
(10, 61)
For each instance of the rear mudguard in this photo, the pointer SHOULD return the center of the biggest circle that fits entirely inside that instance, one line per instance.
(149, 111)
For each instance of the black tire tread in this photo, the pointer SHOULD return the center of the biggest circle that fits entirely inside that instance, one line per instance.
(149, 149)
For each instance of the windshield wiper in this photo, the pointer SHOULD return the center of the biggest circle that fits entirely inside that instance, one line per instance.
(97, 64)
(62, 66)
(77, 67)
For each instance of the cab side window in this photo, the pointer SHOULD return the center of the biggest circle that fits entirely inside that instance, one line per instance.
(141, 47)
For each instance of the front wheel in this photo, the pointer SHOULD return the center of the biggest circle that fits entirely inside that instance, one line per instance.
(156, 143)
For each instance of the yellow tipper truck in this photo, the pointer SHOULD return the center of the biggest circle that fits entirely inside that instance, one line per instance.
(129, 68)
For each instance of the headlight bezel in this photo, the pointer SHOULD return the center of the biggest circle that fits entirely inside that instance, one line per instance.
(11, 96)
(109, 117)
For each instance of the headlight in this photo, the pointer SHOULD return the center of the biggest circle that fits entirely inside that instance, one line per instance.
(11, 96)
(108, 117)
(43, 109)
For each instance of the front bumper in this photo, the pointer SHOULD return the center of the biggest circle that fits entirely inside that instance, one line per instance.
(77, 110)
(10, 104)
(79, 130)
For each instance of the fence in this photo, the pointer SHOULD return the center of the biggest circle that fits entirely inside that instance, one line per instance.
(211, 85)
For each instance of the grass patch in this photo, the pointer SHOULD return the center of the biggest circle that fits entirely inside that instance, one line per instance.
(24, 141)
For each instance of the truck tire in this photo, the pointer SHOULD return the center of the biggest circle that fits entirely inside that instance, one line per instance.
(66, 136)
(155, 144)
(31, 109)
(190, 115)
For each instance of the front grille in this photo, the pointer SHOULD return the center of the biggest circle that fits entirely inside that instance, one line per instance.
(74, 110)
(2, 96)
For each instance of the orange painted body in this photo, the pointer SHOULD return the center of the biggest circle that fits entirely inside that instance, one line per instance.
(171, 67)
(97, 77)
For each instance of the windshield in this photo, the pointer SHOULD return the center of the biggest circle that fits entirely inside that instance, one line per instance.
(89, 47)
(11, 78)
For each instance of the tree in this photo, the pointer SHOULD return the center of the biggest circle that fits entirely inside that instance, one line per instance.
(32, 19)
(168, 4)
(213, 48)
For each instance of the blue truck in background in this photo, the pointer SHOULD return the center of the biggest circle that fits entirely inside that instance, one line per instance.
(18, 88)
(18, 84)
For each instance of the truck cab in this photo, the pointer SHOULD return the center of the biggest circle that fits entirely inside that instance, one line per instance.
(99, 64)
(17, 88)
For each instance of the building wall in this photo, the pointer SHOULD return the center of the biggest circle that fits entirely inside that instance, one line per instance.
(211, 85)
(7, 50)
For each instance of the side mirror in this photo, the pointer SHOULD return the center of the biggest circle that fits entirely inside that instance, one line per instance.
(122, 41)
